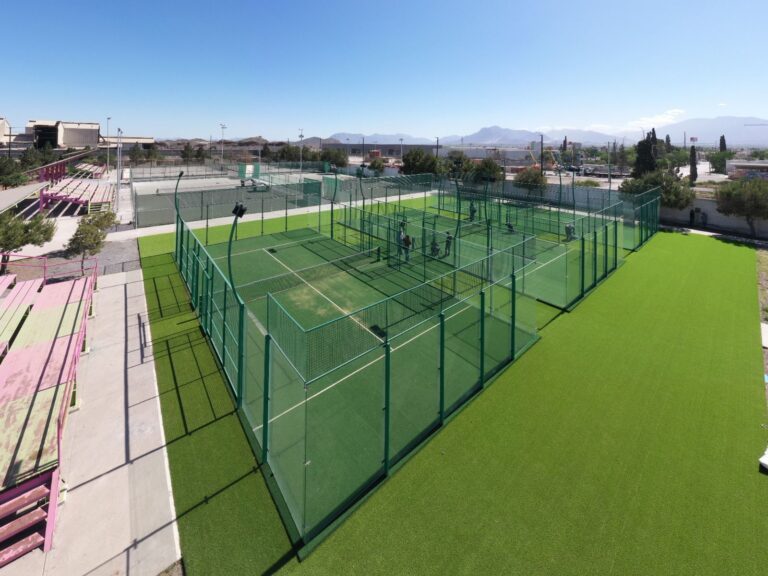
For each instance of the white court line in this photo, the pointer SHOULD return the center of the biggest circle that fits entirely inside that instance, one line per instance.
(339, 308)
(297, 242)
(324, 390)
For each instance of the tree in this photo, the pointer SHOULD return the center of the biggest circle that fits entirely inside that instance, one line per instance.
(694, 172)
(622, 160)
(564, 145)
(530, 177)
(416, 161)
(102, 220)
(458, 164)
(30, 158)
(288, 153)
(335, 156)
(718, 160)
(87, 240)
(668, 142)
(674, 192)
(746, 198)
(136, 154)
(723, 147)
(10, 173)
(15, 233)
(644, 162)
(187, 153)
(153, 153)
(266, 153)
(654, 143)
(200, 153)
(613, 157)
(377, 165)
(46, 156)
(489, 171)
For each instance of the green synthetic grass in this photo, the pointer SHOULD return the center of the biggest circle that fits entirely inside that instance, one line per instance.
(625, 442)
(227, 521)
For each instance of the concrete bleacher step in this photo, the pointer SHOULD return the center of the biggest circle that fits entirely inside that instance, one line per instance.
(24, 500)
(19, 548)
(23, 522)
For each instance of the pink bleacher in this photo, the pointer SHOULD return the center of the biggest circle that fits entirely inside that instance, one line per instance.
(14, 308)
(80, 191)
(6, 282)
(62, 293)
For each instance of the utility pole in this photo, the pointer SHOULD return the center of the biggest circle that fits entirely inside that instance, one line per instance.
(401, 148)
(10, 139)
(437, 146)
(541, 154)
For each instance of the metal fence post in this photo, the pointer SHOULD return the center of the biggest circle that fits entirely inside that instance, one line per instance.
(582, 269)
(594, 258)
(241, 357)
(224, 330)
(265, 411)
(482, 336)
(513, 288)
(442, 367)
(387, 391)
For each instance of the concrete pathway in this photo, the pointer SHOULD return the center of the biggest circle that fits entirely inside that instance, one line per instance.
(118, 517)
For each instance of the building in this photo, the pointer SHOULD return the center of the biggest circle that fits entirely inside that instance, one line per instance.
(746, 169)
(142, 141)
(60, 134)
(5, 129)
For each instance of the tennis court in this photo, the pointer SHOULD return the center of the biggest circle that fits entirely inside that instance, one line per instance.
(344, 358)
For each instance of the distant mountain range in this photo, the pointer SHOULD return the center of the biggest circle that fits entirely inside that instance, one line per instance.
(738, 131)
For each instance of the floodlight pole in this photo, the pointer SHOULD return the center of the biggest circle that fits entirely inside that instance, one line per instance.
(401, 149)
(108, 119)
(176, 193)
(301, 152)
(238, 212)
(223, 127)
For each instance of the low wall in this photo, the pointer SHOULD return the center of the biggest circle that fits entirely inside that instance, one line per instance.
(714, 220)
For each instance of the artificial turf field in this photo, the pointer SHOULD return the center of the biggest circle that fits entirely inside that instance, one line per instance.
(624, 442)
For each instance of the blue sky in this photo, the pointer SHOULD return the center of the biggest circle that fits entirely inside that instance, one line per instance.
(427, 68)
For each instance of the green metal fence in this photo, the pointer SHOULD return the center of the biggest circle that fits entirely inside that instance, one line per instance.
(330, 407)
(351, 397)
(203, 205)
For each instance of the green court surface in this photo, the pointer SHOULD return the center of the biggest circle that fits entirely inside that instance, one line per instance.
(625, 442)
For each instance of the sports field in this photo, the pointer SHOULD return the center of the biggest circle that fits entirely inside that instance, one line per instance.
(624, 442)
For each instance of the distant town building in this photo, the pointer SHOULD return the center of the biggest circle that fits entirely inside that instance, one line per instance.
(5, 129)
(61, 134)
(747, 169)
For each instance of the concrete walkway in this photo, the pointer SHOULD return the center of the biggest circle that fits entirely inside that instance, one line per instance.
(118, 517)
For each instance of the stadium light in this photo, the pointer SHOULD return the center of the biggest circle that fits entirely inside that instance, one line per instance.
(238, 211)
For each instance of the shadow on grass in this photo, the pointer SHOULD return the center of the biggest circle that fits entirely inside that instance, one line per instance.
(226, 517)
